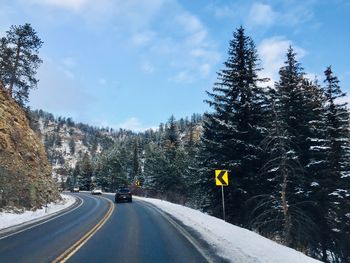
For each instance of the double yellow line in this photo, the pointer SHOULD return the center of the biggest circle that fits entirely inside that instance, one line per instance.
(81, 242)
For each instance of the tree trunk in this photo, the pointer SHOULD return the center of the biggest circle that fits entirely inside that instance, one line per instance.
(285, 208)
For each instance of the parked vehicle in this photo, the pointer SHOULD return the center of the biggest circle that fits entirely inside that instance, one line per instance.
(75, 190)
(123, 194)
(96, 191)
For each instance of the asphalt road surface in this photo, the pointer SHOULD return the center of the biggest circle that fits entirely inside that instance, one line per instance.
(101, 231)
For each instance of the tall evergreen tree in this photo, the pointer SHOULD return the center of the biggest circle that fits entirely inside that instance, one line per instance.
(171, 138)
(136, 161)
(86, 172)
(294, 113)
(334, 188)
(19, 61)
(232, 132)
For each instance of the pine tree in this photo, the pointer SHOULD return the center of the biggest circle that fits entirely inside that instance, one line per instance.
(171, 138)
(19, 61)
(271, 215)
(335, 184)
(136, 162)
(290, 153)
(71, 145)
(5, 55)
(86, 172)
(233, 132)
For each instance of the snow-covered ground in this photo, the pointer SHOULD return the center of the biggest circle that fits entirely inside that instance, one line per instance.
(231, 242)
(8, 219)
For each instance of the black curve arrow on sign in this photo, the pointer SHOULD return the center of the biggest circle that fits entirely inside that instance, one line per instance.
(219, 177)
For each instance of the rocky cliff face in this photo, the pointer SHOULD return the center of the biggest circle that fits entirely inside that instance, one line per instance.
(25, 174)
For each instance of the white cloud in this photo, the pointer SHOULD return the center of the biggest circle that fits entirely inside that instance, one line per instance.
(135, 15)
(68, 73)
(67, 66)
(189, 22)
(69, 62)
(192, 52)
(66, 4)
(298, 13)
(143, 38)
(261, 15)
(204, 69)
(272, 52)
(183, 77)
(102, 81)
(223, 11)
(290, 13)
(147, 67)
(232, 10)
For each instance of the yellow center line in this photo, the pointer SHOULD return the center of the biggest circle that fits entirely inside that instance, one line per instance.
(81, 242)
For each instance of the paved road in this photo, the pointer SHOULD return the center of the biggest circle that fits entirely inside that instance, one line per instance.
(134, 232)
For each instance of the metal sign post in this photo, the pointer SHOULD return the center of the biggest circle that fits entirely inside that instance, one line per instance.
(221, 179)
(223, 202)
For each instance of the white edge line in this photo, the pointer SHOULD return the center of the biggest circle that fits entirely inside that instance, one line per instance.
(180, 229)
(45, 221)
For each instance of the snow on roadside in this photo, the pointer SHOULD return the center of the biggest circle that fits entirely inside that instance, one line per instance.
(231, 242)
(8, 219)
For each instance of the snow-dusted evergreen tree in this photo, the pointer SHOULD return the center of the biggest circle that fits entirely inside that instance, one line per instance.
(171, 137)
(233, 132)
(271, 214)
(111, 169)
(153, 169)
(166, 166)
(334, 187)
(71, 145)
(290, 139)
(86, 172)
(285, 209)
(135, 172)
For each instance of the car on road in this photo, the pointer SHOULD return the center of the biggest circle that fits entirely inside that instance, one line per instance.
(75, 190)
(96, 191)
(123, 194)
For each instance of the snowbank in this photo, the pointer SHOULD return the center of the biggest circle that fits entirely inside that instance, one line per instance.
(231, 242)
(8, 219)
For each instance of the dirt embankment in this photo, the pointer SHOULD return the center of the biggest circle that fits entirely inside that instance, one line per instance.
(25, 173)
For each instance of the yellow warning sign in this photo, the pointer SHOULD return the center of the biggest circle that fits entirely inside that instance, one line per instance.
(221, 177)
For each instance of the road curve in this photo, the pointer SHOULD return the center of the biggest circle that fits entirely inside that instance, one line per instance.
(133, 232)
(47, 241)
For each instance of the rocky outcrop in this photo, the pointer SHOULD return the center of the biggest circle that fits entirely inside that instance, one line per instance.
(25, 174)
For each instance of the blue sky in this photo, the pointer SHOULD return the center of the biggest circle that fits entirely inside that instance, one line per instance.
(133, 63)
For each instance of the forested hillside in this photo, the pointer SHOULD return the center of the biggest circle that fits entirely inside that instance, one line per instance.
(66, 142)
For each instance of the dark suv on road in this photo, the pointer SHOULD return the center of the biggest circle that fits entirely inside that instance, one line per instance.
(123, 194)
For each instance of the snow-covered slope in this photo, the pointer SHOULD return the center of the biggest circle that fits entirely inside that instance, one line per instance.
(10, 218)
(66, 142)
(231, 242)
